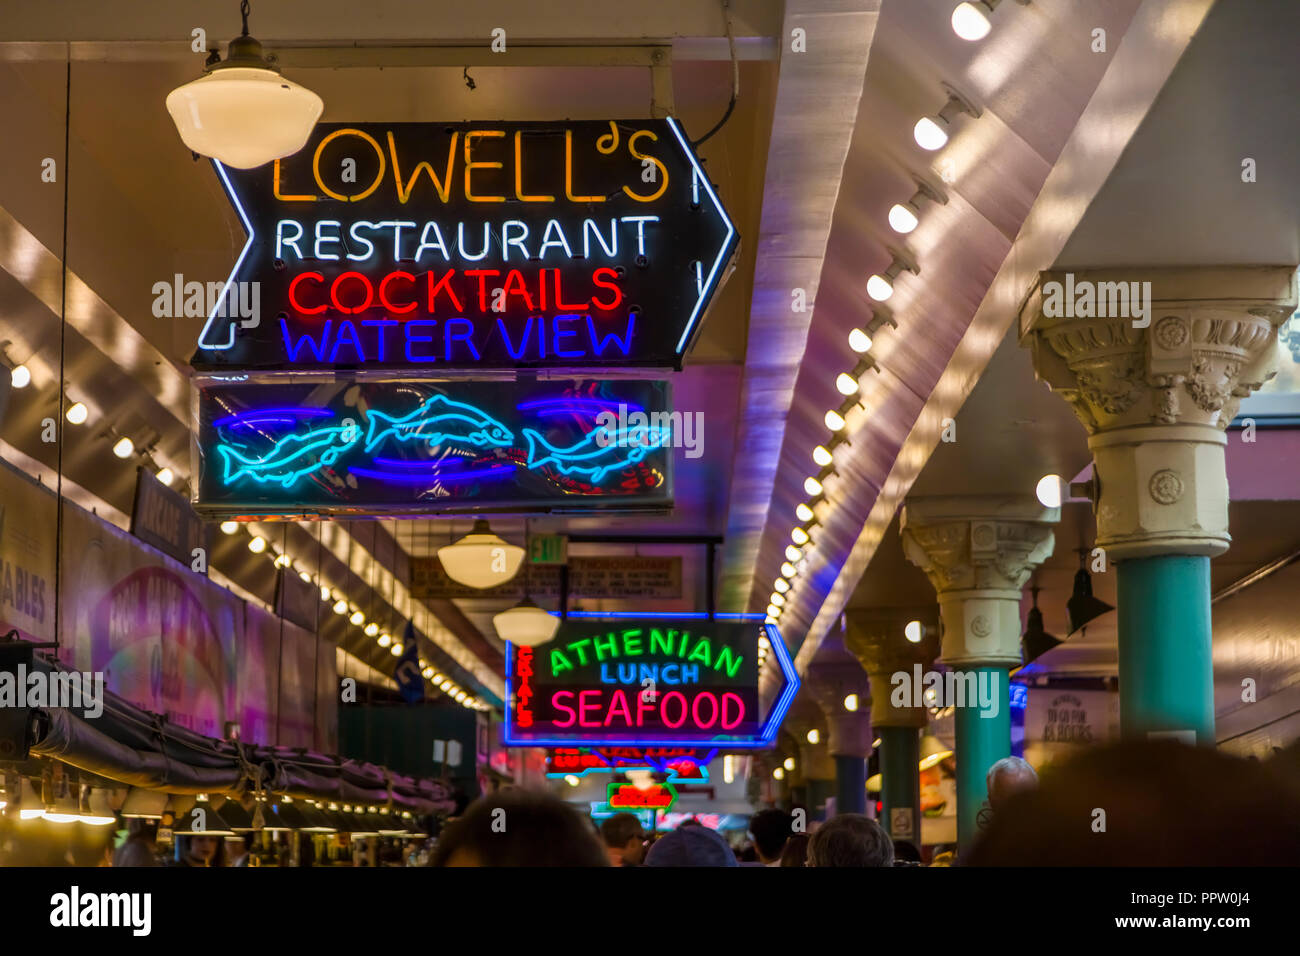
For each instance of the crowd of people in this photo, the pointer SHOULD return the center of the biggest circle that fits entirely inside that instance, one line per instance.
(1138, 803)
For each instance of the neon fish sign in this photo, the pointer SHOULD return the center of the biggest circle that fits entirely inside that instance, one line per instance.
(406, 447)
(474, 245)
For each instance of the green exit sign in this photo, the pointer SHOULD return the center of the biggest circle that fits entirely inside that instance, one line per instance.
(548, 549)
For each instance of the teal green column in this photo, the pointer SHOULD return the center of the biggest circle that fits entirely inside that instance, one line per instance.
(818, 791)
(900, 781)
(1165, 662)
(850, 784)
(983, 738)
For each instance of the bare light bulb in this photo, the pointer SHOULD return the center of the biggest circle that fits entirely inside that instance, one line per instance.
(834, 420)
(385, 639)
(773, 611)
(229, 527)
(822, 456)
(357, 618)
(903, 217)
(372, 629)
(257, 545)
(803, 512)
(930, 134)
(812, 486)
(792, 553)
(799, 536)
(970, 22)
(859, 341)
(20, 376)
(777, 599)
(851, 702)
(782, 585)
(914, 631)
(789, 570)
(846, 384)
(166, 475)
(77, 413)
(124, 447)
(879, 288)
(340, 606)
(1050, 490)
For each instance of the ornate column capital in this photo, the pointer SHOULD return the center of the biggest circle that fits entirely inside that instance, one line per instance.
(876, 638)
(978, 552)
(1154, 363)
(848, 732)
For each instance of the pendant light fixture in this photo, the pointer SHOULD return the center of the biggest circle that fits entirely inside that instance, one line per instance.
(242, 112)
(481, 559)
(1036, 641)
(1083, 608)
(526, 624)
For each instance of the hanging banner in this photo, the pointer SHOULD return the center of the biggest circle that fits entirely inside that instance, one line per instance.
(28, 519)
(471, 246)
(164, 519)
(646, 682)
(626, 577)
(384, 448)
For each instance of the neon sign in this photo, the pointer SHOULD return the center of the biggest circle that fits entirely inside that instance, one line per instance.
(680, 763)
(626, 796)
(473, 245)
(647, 682)
(345, 447)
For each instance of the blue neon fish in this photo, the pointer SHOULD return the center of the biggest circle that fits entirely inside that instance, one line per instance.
(439, 420)
(600, 451)
(291, 457)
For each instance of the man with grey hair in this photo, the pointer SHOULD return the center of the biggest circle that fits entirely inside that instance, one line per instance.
(1008, 777)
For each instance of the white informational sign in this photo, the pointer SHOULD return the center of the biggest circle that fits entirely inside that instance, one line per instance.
(1059, 723)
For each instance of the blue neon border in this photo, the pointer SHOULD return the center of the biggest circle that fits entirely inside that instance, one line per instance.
(248, 244)
(765, 739)
(728, 244)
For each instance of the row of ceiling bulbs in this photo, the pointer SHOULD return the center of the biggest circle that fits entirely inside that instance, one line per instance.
(343, 607)
(76, 413)
(931, 133)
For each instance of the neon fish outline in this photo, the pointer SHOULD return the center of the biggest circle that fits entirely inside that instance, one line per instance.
(330, 443)
(584, 457)
(489, 431)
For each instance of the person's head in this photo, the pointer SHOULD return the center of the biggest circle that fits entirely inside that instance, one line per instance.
(1148, 803)
(138, 828)
(1008, 777)
(906, 852)
(691, 846)
(796, 850)
(770, 829)
(850, 839)
(519, 828)
(201, 849)
(624, 841)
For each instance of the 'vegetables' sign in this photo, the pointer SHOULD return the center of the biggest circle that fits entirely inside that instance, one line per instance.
(472, 245)
(645, 682)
